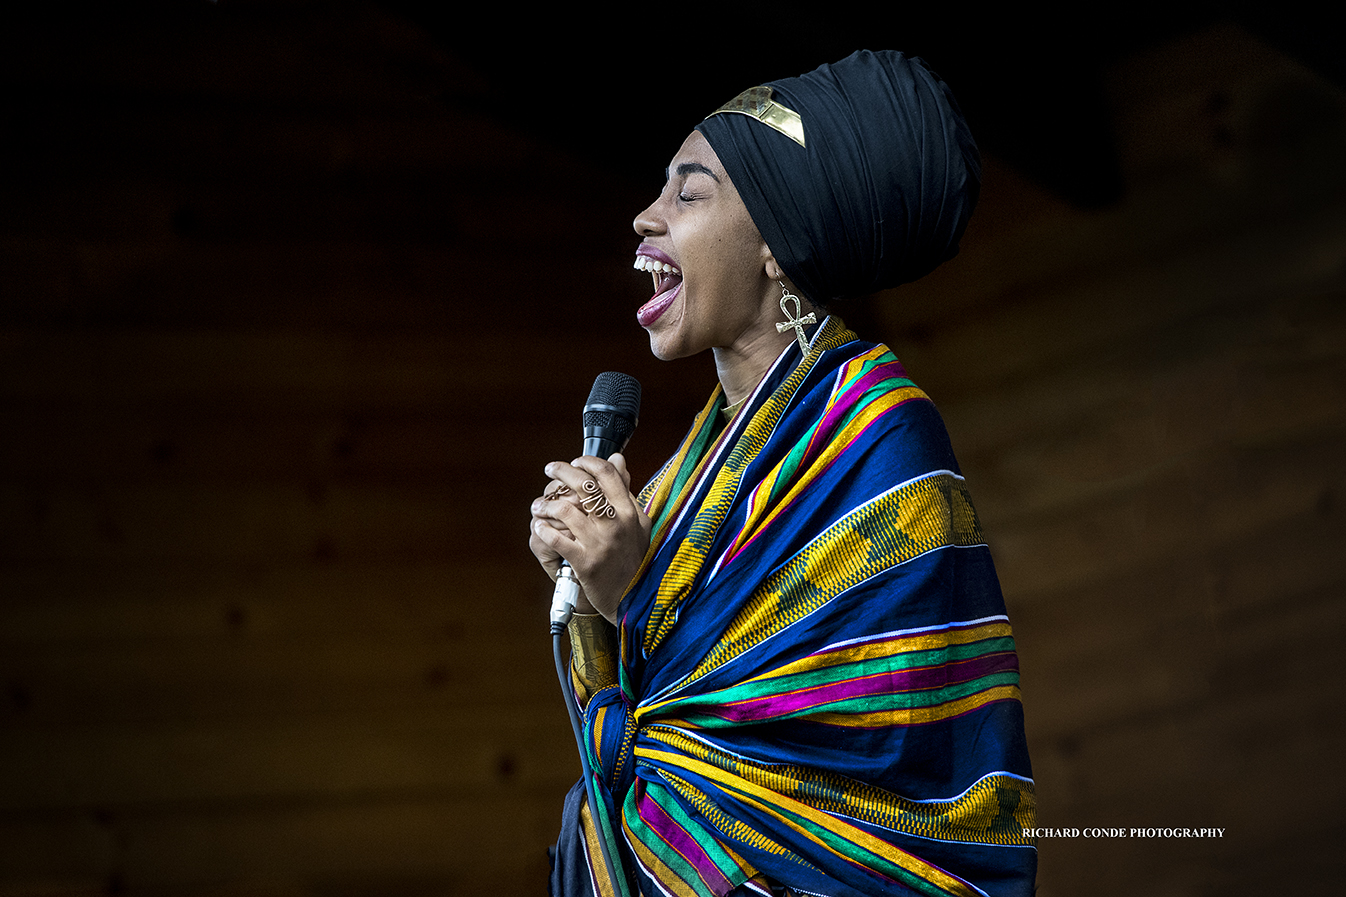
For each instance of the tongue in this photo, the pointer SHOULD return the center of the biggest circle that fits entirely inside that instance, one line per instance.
(650, 312)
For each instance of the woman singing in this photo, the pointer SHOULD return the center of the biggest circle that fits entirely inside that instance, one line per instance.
(791, 651)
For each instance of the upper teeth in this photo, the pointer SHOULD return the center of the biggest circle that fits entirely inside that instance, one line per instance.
(645, 263)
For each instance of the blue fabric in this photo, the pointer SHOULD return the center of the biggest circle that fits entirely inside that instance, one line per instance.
(818, 681)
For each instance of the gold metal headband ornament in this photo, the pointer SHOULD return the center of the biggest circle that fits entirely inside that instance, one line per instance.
(757, 102)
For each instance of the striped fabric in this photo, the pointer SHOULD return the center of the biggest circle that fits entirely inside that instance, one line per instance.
(819, 686)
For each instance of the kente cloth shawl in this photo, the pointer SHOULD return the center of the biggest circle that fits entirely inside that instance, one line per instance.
(818, 681)
(860, 175)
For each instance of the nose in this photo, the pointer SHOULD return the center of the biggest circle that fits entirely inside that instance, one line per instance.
(651, 221)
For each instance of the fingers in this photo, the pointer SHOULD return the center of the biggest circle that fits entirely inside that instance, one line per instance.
(618, 461)
(564, 490)
(587, 501)
(590, 486)
(611, 477)
(560, 503)
(588, 515)
(548, 541)
(563, 517)
(549, 536)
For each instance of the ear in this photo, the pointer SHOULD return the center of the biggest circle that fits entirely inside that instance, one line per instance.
(776, 274)
(771, 266)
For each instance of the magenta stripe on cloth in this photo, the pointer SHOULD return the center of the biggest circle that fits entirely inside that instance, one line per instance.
(839, 409)
(677, 837)
(884, 683)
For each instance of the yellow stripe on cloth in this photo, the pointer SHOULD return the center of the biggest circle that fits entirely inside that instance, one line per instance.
(998, 809)
(928, 513)
(597, 865)
(788, 811)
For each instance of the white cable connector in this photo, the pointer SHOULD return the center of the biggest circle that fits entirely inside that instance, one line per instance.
(563, 598)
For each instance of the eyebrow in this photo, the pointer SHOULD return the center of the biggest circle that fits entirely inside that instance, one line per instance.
(687, 168)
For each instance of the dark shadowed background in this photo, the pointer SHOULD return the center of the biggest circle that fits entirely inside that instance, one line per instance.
(296, 298)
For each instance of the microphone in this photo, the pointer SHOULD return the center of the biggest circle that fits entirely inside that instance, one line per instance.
(609, 420)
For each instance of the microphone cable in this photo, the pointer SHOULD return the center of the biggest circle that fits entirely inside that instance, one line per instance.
(576, 726)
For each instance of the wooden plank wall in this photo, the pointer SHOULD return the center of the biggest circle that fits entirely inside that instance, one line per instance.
(279, 376)
(288, 324)
(1150, 402)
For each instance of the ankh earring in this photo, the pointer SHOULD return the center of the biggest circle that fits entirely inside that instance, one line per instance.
(792, 318)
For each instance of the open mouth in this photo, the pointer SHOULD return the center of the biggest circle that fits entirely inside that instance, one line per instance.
(667, 283)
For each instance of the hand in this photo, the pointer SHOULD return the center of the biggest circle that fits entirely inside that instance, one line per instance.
(588, 516)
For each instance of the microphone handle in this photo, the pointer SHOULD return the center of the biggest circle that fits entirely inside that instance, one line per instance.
(600, 445)
(600, 442)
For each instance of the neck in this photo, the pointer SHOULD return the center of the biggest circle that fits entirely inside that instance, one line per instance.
(741, 368)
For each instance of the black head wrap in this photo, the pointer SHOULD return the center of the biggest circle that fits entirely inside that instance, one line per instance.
(880, 190)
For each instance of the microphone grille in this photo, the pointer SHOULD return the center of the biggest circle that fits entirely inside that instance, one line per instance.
(617, 396)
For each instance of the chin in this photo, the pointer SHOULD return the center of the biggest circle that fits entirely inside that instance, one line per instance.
(665, 343)
(662, 351)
